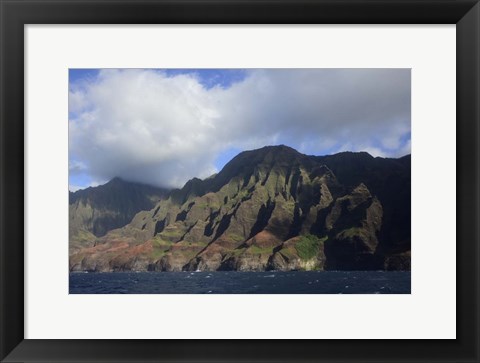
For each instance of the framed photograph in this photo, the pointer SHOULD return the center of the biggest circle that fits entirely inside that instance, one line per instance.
(231, 193)
(239, 181)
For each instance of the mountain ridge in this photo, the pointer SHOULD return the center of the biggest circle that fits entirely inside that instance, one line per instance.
(96, 210)
(270, 208)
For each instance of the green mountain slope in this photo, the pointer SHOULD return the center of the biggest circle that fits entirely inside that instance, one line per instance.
(271, 208)
(96, 210)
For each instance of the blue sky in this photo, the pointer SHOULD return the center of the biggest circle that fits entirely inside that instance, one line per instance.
(163, 127)
(210, 78)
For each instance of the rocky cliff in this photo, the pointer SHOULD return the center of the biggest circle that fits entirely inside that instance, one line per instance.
(96, 210)
(270, 209)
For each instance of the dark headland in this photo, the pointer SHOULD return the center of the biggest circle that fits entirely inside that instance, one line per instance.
(267, 209)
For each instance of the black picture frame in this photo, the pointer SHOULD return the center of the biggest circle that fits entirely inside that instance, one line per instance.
(17, 13)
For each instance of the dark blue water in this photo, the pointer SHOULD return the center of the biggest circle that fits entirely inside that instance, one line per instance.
(232, 282)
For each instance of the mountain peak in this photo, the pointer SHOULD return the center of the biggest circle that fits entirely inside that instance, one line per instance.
(280, 148)
(267, 155)
(276, 149)
(116, 180)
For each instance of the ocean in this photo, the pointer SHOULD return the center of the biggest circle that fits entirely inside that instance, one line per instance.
(233, 282)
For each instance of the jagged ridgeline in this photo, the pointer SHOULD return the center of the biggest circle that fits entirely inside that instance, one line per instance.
(95, 211)
(270, 209)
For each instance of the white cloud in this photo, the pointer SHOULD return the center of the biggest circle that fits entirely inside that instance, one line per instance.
(404, 150)
(76, 101)
(75, 166)
(74, 188)
(144, 126)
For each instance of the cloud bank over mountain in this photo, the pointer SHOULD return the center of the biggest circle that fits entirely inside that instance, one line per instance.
(160, 128)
